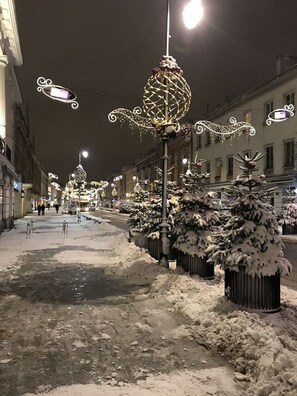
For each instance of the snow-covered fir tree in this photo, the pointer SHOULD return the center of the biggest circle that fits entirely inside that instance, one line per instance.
(154, 206)
(138, 212)
(251, 237)
(288, 215)
(196, 218)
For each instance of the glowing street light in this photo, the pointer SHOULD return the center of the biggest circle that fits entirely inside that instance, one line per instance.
(192, 14)
(82, 152)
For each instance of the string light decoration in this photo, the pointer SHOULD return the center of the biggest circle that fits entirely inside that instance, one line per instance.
(225, 131)
(80, 175)
(166, 99)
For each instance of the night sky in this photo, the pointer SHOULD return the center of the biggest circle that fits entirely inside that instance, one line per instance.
(104, 50)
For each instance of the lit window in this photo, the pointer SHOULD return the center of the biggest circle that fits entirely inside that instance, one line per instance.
(248, 117)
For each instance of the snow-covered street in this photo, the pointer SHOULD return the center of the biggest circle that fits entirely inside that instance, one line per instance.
(91, 314)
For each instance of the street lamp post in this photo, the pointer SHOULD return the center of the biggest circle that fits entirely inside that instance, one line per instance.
(82, 152)
(166, 100)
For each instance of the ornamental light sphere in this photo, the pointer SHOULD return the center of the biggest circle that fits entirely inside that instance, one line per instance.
(80, 174)
(167, 95)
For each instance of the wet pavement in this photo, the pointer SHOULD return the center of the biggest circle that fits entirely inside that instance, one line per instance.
(74, 323)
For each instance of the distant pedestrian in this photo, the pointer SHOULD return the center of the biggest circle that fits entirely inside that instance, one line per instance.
(57, 208)
(42, 209)
(39, 209)
(48, 206)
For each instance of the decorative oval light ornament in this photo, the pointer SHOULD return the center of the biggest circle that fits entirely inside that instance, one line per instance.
(280, 115)
(56, 92)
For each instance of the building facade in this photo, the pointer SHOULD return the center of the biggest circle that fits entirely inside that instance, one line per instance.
(10, 57)
(277, 141)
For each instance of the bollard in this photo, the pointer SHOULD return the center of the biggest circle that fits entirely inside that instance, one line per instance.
(65, 229)
(28, 231)
(31, 226)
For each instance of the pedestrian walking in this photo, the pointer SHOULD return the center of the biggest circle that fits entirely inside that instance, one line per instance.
(39, 209)
(42, 209)
(57, 208)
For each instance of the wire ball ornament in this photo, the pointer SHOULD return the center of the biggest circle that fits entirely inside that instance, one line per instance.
(167, 95)
(166, 99)
(80, 175)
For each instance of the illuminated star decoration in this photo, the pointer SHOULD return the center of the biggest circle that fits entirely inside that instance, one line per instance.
(56, 92)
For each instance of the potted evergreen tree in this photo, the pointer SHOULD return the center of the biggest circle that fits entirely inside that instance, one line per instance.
(249, 247)
(195, 222)
(288, 215)
(137, 218)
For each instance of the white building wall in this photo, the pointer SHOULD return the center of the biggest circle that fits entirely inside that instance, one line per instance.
(274, 135)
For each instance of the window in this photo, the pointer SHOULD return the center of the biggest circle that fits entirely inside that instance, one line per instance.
(269, 157)
(218, 171)
(207, 165)
(247, 153)
(289, 98)
(207, 139)
(248, 117)
(268, 108)
(230, 166)
(289, 153)
(198, 141)
(217, 138)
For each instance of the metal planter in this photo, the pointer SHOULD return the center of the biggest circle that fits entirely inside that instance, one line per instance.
(154, 248)
(289, 229)
(141, 241)
(262, 293)
(195, 265)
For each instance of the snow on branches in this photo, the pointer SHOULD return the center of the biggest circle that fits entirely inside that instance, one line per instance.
(250, 238)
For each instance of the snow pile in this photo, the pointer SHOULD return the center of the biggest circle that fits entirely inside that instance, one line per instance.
(264, 350)
(198, 383)
(127, 254)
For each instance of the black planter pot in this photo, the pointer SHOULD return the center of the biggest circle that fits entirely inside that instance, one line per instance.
(154, 248)
(141, 241)
(262, 293)
(289, 229)
(195, 265)
(182, 262)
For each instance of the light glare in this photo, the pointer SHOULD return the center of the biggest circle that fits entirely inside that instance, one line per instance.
(59, 93)
(193, 13)
(85, 154)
